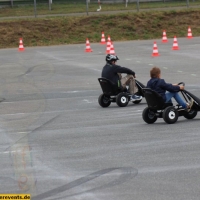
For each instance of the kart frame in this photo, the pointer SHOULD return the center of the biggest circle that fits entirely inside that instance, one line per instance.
(120, 95)
(157, 108)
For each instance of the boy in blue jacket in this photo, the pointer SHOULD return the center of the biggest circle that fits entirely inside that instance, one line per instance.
(167, 90)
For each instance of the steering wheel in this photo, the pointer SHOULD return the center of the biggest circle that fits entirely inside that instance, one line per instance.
(181, 83)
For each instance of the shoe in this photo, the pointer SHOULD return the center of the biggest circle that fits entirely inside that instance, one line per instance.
(190, 104)
(136, 98)
(180, 108)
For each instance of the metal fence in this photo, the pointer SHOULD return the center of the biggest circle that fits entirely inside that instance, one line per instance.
(48, 7)
(25, 2)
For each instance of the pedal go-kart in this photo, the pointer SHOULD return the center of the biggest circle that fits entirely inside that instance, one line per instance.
(157, 108)
(120, 95)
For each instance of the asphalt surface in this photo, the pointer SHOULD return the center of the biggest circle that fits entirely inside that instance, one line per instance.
(56, 142)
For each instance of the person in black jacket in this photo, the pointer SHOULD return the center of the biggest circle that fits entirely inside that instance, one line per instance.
(167, 90)
(113, 72)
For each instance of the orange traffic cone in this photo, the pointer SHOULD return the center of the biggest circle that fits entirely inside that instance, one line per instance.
(109, 39)
(164, 38)
(175, 44)
(88, 48)
(108, 46)
(21, 46)
(189, 36)
(103, 40)
(112, 50)
(155, 50)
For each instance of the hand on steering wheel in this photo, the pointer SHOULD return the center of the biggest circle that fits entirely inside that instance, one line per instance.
(181, 85)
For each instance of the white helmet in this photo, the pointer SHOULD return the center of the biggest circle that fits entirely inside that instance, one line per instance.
(110, 58)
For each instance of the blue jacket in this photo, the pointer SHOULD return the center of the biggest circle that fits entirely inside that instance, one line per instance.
(160, 86)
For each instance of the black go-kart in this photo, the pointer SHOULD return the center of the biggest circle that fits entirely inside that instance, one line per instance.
(157, 108)
(120, 95)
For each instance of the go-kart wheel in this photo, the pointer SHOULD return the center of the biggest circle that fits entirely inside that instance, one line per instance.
(190, 115)
(170, 115)
(104, 101)
(137, 102)
(149, 116)
(122, 99)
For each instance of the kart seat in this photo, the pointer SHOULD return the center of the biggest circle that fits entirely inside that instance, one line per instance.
(109, 88)
(154, 100)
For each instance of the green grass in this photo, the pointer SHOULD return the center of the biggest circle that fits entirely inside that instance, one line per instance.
(73, 30)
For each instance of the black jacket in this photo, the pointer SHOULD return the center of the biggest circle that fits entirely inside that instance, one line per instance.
(160, 86)
(111, 72)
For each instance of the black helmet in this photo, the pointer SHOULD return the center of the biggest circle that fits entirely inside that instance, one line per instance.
(110, 58)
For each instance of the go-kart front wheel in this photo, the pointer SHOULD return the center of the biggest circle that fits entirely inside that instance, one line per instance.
(170, 115)
(104, 101)
(149, 116)
(190, 115)
(122, 99)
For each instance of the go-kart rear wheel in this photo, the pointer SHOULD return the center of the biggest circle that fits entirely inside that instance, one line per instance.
(122, 99)
(170, 115)
(149, 116)
(104, 101)
(190, 115)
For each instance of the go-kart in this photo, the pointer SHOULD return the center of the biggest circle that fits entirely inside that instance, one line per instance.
(157, 108)
(113, 93)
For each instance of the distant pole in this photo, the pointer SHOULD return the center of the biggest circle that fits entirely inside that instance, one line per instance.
(11, 3)
(138, 6)
(50, 2)
(87, 6)
(187, 3)
(35, 9)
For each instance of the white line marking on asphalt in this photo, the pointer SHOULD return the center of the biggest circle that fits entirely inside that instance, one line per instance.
(11, 114)
(22, 132)
(193, 75)
(70, 92)
(87, 101)
(49, 112)
(50, 56)
(8, 152)
(93, 69)
(119, 112)
(167, 169)
(165, 67)
(180, 71)
(56, 58)
(73, 91)
(151, 64)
